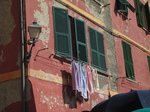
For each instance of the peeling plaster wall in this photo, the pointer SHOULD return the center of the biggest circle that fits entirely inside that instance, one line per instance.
(11, 93)
(94, 9)
(110, 46)
(55, 93)
(103, 14)
(128, 26)
(7, 23)
(42, 17)
(51, 97)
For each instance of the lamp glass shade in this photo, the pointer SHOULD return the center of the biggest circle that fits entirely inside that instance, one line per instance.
(34, 30)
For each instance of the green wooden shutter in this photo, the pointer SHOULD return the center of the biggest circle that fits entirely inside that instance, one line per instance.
(61, 30)
(139, 13)
(81, 40)
(148, 57)
(94, 49)
(97, 49)
(128, 60)
(147, 10)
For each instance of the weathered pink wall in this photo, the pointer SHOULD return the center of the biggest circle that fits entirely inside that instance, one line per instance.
(49, 96)
(130, 28)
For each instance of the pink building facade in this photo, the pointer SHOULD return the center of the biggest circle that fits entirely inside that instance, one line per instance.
(109, 36)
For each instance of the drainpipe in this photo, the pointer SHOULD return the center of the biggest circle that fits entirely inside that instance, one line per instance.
(23, 81)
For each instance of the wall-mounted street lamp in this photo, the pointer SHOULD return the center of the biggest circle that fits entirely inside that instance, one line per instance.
(34, 31)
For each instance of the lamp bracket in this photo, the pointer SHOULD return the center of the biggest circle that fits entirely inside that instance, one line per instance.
(28, 56)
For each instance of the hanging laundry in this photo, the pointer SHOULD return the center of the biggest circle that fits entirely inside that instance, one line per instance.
(89, 79)
(76, 78)
(83, 81)
(95, 79)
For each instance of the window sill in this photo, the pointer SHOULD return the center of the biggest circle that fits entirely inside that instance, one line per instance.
(131, 80)
(145, 30)
(62, 58)
(102, 72)
(123, 15)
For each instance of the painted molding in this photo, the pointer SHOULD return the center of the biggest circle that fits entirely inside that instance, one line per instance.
(10, 75)
(46, 77)
(131, 41)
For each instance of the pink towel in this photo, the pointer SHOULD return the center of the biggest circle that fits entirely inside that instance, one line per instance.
(89, 79)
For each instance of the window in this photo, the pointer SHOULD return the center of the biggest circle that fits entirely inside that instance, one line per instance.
(69, 31)
(148, 57)
(97, 49)
(143, 15)
(128, 60)
(121, 6)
